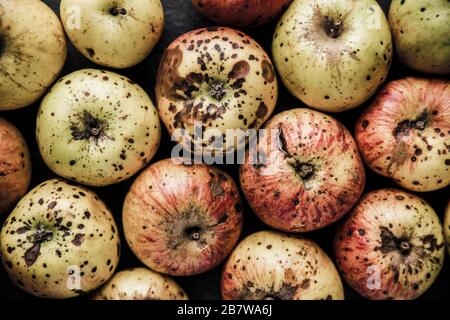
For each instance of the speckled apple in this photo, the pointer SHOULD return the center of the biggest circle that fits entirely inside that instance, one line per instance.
(140, 284)
(333, 55)
(182, 219)
(391, 246)
(113, 33)
(311, 174)
(240, 13)
(405, 133)
(268, 265)
(15, 166)
(97, 128)
(60, 232)
(215, 78)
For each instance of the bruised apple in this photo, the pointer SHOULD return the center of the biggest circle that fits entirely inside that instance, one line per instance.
(15, 166)
(182, 219)
(268, 265)
(240, 13)
(308, 173)
(140, 284)
(391, 246)
(405, 133)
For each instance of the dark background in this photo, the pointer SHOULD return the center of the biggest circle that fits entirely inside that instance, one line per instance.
(181, 17)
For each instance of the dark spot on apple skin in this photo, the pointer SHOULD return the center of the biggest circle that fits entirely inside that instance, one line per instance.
(78, 240)
(267, 71)
(32, 254)
(262, 110)
(90, 52)
(365, 124)
(240, 70)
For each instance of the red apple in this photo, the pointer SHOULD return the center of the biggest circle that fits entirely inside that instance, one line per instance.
(15, 166)
(182, 219)
(405, 133)
(270, 265)
(391, 246)
(240, 13)
(311, 175)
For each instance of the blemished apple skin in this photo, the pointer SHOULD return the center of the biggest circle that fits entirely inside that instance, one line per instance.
(391, 246)
(32, 51)
(182, 219)
(57, 230)
(311, 176)
(333, 55)
(269, 265)
(140, 284)
(15, 166)
(217, 78)
(240, 13)
(405, 133)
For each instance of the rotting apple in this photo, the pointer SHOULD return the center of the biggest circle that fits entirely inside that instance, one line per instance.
(182, 219)
(391, 246)
(15, 166)
(405, 133)
(60, 241)
(311, 173)
(331, 54)
(218, 78)
(117, 34)
(240, 13)
(32, 51)
(268, 265)
(420, 30)
(447, 225)
(97, 127)
(140, 284)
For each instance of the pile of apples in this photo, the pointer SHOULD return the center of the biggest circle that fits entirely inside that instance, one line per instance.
(96, 128)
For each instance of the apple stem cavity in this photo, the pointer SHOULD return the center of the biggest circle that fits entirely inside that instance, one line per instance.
(420, 123)
(333, 28)
(40, 235)
(115, 11)
(217, 90)
(389, 242)
(193, 233)
(89, 127)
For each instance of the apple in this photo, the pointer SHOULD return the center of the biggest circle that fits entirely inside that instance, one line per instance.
(405, 133)
(240, 13)
(116, 34)
(97, 128)
(140, 284)
(214, 79)
(391, 246)
(331, 54)
(311, 174)
(60, 241)
(182, 219)
(420, 30)
(32, 51)
(15, 166)
(447, 225)
(268, 265)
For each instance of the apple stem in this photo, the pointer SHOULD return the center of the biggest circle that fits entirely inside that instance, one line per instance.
(405, 247)
(333, 28)
(193, 233)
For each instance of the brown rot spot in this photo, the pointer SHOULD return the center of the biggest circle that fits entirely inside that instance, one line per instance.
(78, 240)
(240, 70)
(267, 71)
(262, 110)
(420, 123)
(90, 52)
(333, 27)
(88, 127)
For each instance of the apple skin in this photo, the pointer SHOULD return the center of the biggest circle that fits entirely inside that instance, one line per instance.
(140, 284)
(15, 166)
(240, 13)
(116, 34)
(270, 265)
(32, 51)
(97, 128)
(182, 219)
(396, 234)
(405, 133)
(312, 174)
(219, 78)
(447, 226)
(57, 226)
(420, 30)
(331, 69)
